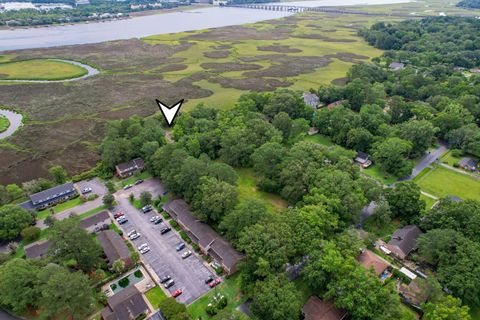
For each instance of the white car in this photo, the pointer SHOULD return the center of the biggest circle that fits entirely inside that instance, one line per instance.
(131, 232)
(154, 218)
(135, 236)
(186, 254)
(145, 250)
(128, 186)
(143, 245)
(86, 190)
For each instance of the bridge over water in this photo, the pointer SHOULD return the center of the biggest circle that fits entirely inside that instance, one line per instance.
(289, 8)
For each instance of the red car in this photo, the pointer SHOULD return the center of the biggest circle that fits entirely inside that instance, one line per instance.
(177, 293)
(215, 282)
(118, 215)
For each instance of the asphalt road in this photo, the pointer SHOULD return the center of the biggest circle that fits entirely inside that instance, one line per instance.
(189, 274)
(428, 159)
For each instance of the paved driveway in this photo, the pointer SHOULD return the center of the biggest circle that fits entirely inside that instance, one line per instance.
(428, 159)
(189, 274)
(97, 186)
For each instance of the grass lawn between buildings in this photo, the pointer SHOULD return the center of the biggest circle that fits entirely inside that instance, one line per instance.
(230, 288)
(39, 69)
(442, 182)
(4, 123)
(155, 296)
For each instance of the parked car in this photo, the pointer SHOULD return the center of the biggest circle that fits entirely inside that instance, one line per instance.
(145, 250)
(143, 245)
(180, 246)
(165, 278)
(135, 236)
(118, 214)
(86, 190)
(158, 221)
(165, 230)
(176, 293)
(131, 232)
(186, 254)
(154, 218)
(215, 283)
(138, 181)
(169, 283)
(128, 186)
(147, 208)
(209, 279)
(122, 220)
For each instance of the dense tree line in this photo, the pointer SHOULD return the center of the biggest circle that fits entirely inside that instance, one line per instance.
(473, 4)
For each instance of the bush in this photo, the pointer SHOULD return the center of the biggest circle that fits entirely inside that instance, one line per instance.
(92, 197)
(165, 215)
(110, 186)
(185, 237)
(31, 233)
(174, 224)
(222, 302)
(196, 247)
(211, 310)
(457, 153)
(113, 286)
(219, 271)
(456, 165)
(138, 274)
(124, 282)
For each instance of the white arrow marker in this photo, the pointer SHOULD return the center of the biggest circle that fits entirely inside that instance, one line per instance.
(169, 113)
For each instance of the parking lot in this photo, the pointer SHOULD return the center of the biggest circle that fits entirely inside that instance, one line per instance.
(95, 184)
(189, 274)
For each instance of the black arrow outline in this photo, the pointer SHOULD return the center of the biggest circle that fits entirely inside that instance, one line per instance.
(163, 114)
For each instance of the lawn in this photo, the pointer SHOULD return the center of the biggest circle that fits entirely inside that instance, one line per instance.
(92, 212)
(230, 288)
(320, 139)
(4, 123)
(382, 231)
(376, 172)
(39, 69)
(442, 182)
(155, 296)
(449, 158)
(429, 202)
(247, 188)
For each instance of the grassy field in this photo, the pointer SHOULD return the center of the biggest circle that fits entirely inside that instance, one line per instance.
(39, 69)
(429, 202)
(155, 296)
(320, 139)
(92, 212)
(247, 188)
(230, 288)
(449, 158)
(442, 182)
(4, 123)
(376, 172)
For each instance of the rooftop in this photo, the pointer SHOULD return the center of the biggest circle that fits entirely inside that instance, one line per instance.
(404, 240)
(52, 193)
(136, 163)
(94, 219)
(113, 246)
(369, 260)
(317, 309)
(37, 249)
(128, 304)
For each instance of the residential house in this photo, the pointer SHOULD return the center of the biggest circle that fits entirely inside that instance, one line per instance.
(311, 99)
(404, 241)
(38, 249)
(468, 163)
(210, 242)
(50, 197)
(334, 104)
(128, 304)
(317, 309)
(370, 260)
(114, 247)
(396, 66)
(412, 293)
(363, 159)
(127, 169)
(96, 222)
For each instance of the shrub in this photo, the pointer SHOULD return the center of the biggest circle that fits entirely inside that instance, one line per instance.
(457, 153)
(222, 302)
(196, 247)
(219, 270)
(456, 165)
(110, 186)
(165, 215)
(31, 233)
(185, 237)
(124, 282)
(174, 224)
(211, 310)
(138, 274)
(113, 286)
(92, 197)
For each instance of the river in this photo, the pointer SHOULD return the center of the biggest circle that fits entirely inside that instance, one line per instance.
(162, 23)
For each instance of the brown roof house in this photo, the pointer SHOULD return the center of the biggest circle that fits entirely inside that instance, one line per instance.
(114, 247)
(127, 169)
(370, 260)
(38, 249)
(317, 309)
(412, 293)
(210, 242)
(96, 222)
(404, 241)
(128, 304)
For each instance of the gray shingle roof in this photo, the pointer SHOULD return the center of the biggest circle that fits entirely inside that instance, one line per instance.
(405, 239)
(37, 249)
(134, 164)
(52, 193)
(94, 219)
(128, 304)
(113, 246)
